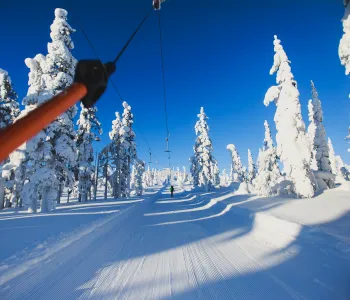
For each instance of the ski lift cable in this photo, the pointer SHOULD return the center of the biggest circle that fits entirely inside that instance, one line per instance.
(110, 79)
(163, 75)
(164, 89)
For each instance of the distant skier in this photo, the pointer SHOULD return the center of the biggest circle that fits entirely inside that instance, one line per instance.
(172, 191)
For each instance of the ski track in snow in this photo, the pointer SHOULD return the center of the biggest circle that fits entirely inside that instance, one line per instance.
(189, 247)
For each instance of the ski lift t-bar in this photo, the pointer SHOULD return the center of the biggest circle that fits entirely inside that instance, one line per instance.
(90, 83)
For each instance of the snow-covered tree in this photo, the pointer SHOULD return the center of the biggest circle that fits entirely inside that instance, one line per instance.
(89, 129)
(344, 45)
(28, 169)
(224, 178)
(311, 132)
(39, 161)
(203, 165)
(317, 137)
(237, 171)
(9, 107)
(292, 142)
(342, 169)
(332, 158)
(115, 151)
(58, 74)
(337, 165)
(9, 111)
(251, 174)
(127, 149)
(139, 171)
(268, 173)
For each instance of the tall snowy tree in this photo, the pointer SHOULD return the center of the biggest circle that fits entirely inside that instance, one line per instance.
(317, 137)
(332, 158)
(128, 149)
(9, 107)
(344, 45)
(268, 173)
(58, 74)
(203, 165)
(9, 111)
(292, 143)
(251, 174)
(237, 171)
(115, 137)
(224, 178)
(89, 129)
(41, 181)
(338, 167)
(139, 171)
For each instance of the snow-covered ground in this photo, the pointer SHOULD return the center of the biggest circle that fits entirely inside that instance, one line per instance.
(214, 245)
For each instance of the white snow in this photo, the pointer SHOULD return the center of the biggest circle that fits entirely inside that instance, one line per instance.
(215, 245)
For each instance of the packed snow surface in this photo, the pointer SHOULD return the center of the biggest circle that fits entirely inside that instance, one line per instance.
(214, 245)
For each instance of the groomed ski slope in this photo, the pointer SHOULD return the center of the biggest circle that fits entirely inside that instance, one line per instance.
(194, 246)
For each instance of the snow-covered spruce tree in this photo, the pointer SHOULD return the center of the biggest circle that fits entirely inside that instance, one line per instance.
(311, 133)
(292, 143)
(224, 178)
(115, 150)
(127, 149)
(237, 171)
(139, 171)
(58, 75)
(339, 169)
(344, 45)
(89, 129)
(251, 174)
(203, 165)
(9, 107)
(268, 173)
(41, 181)
(342, 168)
(132, 177)
(9, 111)
(22, 164)
(194, 170)
(332, 158)
(317, 138)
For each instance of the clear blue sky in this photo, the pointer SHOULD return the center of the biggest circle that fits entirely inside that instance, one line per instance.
(217, 54)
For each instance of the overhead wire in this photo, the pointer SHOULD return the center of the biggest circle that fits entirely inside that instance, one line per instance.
(91, 45)
(164, 91)
(163, 74)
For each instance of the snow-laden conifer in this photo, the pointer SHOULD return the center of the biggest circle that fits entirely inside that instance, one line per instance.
(317, 137)
(9, 111)
(236, 166)
(204, 168)
(292, 142)
(251, 172)
(139, 167)
(59, 69)
(9, 107)
(344, 45)
(268, 173)
(89, 129)
(127, 149)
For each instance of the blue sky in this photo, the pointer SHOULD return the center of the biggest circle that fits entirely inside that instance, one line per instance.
(217, 54)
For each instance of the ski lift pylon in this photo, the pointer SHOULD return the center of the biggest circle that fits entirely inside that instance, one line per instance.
(167, 145)
(150, 156)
